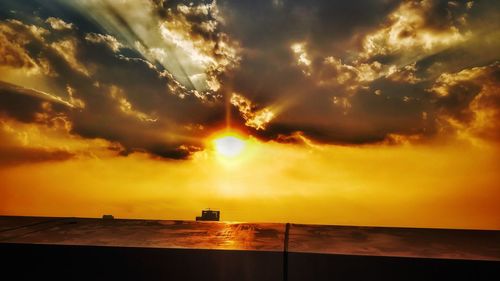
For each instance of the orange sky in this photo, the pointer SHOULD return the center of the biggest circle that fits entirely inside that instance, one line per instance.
(386, 117)
(451, 185)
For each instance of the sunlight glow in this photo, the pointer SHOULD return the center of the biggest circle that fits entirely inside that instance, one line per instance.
(229, 146)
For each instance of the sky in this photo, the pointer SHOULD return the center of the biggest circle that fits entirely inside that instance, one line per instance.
(370, 112)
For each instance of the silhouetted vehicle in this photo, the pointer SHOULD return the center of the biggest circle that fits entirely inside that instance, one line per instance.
(209, 215)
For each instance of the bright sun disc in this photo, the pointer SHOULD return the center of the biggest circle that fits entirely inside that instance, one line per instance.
(229, 146)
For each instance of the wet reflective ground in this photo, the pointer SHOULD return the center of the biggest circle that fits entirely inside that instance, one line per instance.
(320, 239)
(396, 242)
(144, 233)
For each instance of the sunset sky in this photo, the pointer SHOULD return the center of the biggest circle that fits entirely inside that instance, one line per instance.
(370, 112)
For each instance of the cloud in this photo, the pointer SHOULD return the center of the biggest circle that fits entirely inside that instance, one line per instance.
(255, 118)
(73, 100)
(348, 87)
(58, 24)
(278, 4)
(126, 107)
(303, 60)
(47, 137)
(15, 156)
(67, 49)
(31, 48)
(184, 40)
(193, 32)
(343, 103)
(14, 36)
(469, 102)
(157, 69)
(396, 58)
(447, 82)
(23, 103)
(112, 99)
(418, 27)
(334, 70)
(411, 32)
(405, 74)
(107, 39)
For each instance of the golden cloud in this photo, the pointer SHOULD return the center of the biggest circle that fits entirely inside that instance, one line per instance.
(208, 58)
(409, 34)
(408, 30)
(444, 84)
(14, 36)
(58, 24)
(336, 71)
(72, 101)
(185, 41)
(405, 74)
(257, 119)
(478, 88)
(67, 49)
(107, 39)
(303, 59)
(50, 138)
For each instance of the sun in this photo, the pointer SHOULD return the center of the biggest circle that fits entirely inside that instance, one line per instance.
(229, 145)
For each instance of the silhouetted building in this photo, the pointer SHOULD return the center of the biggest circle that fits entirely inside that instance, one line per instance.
(209, 215)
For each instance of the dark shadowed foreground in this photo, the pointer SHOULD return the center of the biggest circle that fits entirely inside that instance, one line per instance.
(111, 249)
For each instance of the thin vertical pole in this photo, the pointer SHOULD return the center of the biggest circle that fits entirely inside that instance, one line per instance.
(285, 252)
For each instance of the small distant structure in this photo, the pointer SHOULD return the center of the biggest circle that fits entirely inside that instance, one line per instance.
(107, 217)
(209, 215)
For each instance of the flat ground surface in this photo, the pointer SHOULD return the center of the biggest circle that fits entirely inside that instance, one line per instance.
(321, 239)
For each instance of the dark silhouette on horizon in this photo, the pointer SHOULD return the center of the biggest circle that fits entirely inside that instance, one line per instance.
(209, 215)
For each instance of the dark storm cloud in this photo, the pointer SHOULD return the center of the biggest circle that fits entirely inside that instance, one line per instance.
(361, 97)
(31, 107)
(23, 104)
(124, 99)
(349, 72)
(468, 101)
(325, 23)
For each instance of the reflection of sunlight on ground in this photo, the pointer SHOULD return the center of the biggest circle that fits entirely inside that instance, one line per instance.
(237, 235)
(219, 235)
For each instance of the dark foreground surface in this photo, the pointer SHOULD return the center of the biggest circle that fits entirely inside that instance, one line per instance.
(34, 248)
